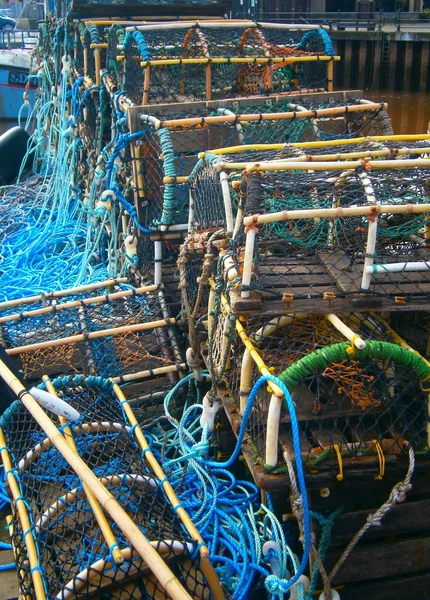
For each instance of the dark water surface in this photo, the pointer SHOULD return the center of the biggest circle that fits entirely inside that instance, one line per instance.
(409, 112)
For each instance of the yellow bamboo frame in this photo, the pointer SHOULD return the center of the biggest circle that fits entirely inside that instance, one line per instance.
(26, 526)
(62, 293)
(95, 506)
(280, 165)
(24, 575)
(260, 60)
(337, 213)
(365, 154)
(205, 564)
(92, 335)
(355, 141)
(78, 303)
(223, 23)
(321, 112)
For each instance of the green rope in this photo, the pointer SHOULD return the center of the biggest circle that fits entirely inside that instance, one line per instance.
(377, 351)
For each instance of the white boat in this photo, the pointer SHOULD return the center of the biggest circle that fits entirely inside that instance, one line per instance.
(14, 70)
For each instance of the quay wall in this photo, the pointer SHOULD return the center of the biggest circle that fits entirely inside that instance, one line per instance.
(382, 61)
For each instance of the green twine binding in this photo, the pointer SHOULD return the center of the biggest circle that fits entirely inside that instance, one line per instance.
(322, 358)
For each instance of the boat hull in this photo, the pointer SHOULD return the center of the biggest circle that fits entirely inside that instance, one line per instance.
(14, 69)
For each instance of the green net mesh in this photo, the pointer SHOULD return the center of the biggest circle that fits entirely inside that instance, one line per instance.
(171, 142)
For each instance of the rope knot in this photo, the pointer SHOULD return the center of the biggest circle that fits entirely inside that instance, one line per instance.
(399, 492)
(274, 585)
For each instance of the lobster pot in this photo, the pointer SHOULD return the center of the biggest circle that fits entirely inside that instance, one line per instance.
(207, 61)
(322, 255)
(71, 553)
(281, 341)
(171, 140)
(110, 335)
(346, 399)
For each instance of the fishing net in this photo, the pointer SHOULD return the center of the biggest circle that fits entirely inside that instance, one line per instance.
(171, 142)
(383, 255)
(340, 253)
(78, 59)
(209, 60)
(72, 556)
(329, 122)
(345, 396)
(114, 67)
(113, 335)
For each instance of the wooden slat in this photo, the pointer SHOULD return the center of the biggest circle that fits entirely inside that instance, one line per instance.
(375, 561)
(407, 588)
(409, 517)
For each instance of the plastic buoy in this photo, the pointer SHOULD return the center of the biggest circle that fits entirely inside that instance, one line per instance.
(334, 595)
(306, 583)
(13, 148)
(54, 404)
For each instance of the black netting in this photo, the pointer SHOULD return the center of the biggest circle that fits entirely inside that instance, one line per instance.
(72, 553)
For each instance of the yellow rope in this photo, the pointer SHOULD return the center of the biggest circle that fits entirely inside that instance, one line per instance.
(339, 476)
(381, 460)
(351, 349)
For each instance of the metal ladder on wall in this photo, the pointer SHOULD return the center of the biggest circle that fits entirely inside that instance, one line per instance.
(385, 62)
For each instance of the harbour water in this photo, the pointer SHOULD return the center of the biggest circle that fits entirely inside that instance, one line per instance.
(409, 112)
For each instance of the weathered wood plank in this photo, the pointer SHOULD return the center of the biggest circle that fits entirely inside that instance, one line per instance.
(352, 303)
(409, 517)
(409, 588)
(375, 561)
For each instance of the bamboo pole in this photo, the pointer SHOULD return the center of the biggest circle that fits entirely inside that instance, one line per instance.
(90, 336)
(77, 303)
(224, 24)
(373, 138)
(62, 293)
(20, 506)
(148, 373)
(346, 331)
(19, 557)
(323, 166)
(337, 213)
(330, 76)
(259, 60)
(321, 112)
(106, 499)
(205, 564)
(98, 65)
(146, 85)
(316, 157)
(98, 513)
